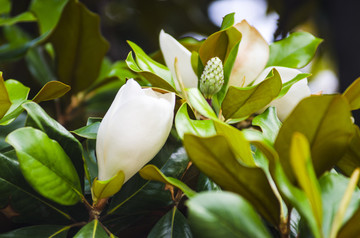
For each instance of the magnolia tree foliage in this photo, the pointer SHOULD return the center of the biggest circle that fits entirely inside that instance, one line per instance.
(215, 138)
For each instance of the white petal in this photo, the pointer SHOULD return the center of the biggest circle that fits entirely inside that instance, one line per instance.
(170, 49)
(135, 132)
(252, 56)
(296, 93)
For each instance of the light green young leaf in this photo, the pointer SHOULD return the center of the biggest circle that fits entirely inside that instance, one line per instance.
(198, 102)
(151, 172)
(5, 102)
(269, 123)
(352, 94)
(304, 172)
(105, 189)
(23, 17)
(184, 124)
(295, 51)
(18, 94)
(228, 21)
(46, 166)
(224, 214)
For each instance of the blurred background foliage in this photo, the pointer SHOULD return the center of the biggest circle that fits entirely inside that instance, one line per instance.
(140, 21)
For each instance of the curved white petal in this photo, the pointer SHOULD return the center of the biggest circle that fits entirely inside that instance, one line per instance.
(296, 93)
(252, 56)
(170, 49)
(133, 130)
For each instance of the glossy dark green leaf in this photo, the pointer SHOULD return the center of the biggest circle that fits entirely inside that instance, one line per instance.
(92, 229)
(224, 214)
(157, 74)
(333, 187)
(228, 21)
(198, 102)
(46, 166)
(172, 225)
(89, 131)
(138, 193)
(352, 94)
(50, 91)
(204, 183)
(215, 158)
(295, 51)
(315, 117)
(184, 124)
(22, 17)
(242, 102)
(39, 119)
(79, 46)
(18, 94)
(40, 231)
(269, 123)
(16, 193)
(47, 12)
(5, 102)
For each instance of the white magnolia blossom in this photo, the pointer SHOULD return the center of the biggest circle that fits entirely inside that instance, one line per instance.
(133, 130)
(296, 93)
(172, 49)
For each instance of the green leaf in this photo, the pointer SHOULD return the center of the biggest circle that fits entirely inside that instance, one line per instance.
(184, 124)
(39, 119)
(47, 12)
(46, 167)
(352, 94)
(239, 145)
(295, 51)
(39, 231)
(18, 94)
(105, 189)
(157, 74)
(92, 229)
(286, 86)
(351, 159)
(5, 102)
(22, 17)
(198, 102)
(215, 158)
(242, 102)
(314, 117)
(50, 91)
(269, 123)
(339, 216)
(296, 197)
(5, 6)
(151, 172)
(89, 131)
(172, 225)
(305, 174)
(224, 214)
(333, 187)
(79, 46)
(16, 193)
(228, 21)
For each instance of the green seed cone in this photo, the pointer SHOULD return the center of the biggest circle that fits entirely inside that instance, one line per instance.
(212, 78)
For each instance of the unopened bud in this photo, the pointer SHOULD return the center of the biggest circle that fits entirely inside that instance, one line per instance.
(212, 78)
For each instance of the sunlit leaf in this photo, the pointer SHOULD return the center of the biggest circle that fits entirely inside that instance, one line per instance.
(215, 158)
(352, 94)
(105, 189)
(5, 102)
(269, 123)
(198, 102)
(295, 51)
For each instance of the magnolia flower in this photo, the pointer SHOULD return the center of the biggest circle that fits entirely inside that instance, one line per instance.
(133, 130)
(296, 93)
(172, 49)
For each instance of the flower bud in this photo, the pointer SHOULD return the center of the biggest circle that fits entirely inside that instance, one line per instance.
(212, 78)
(133, 130)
